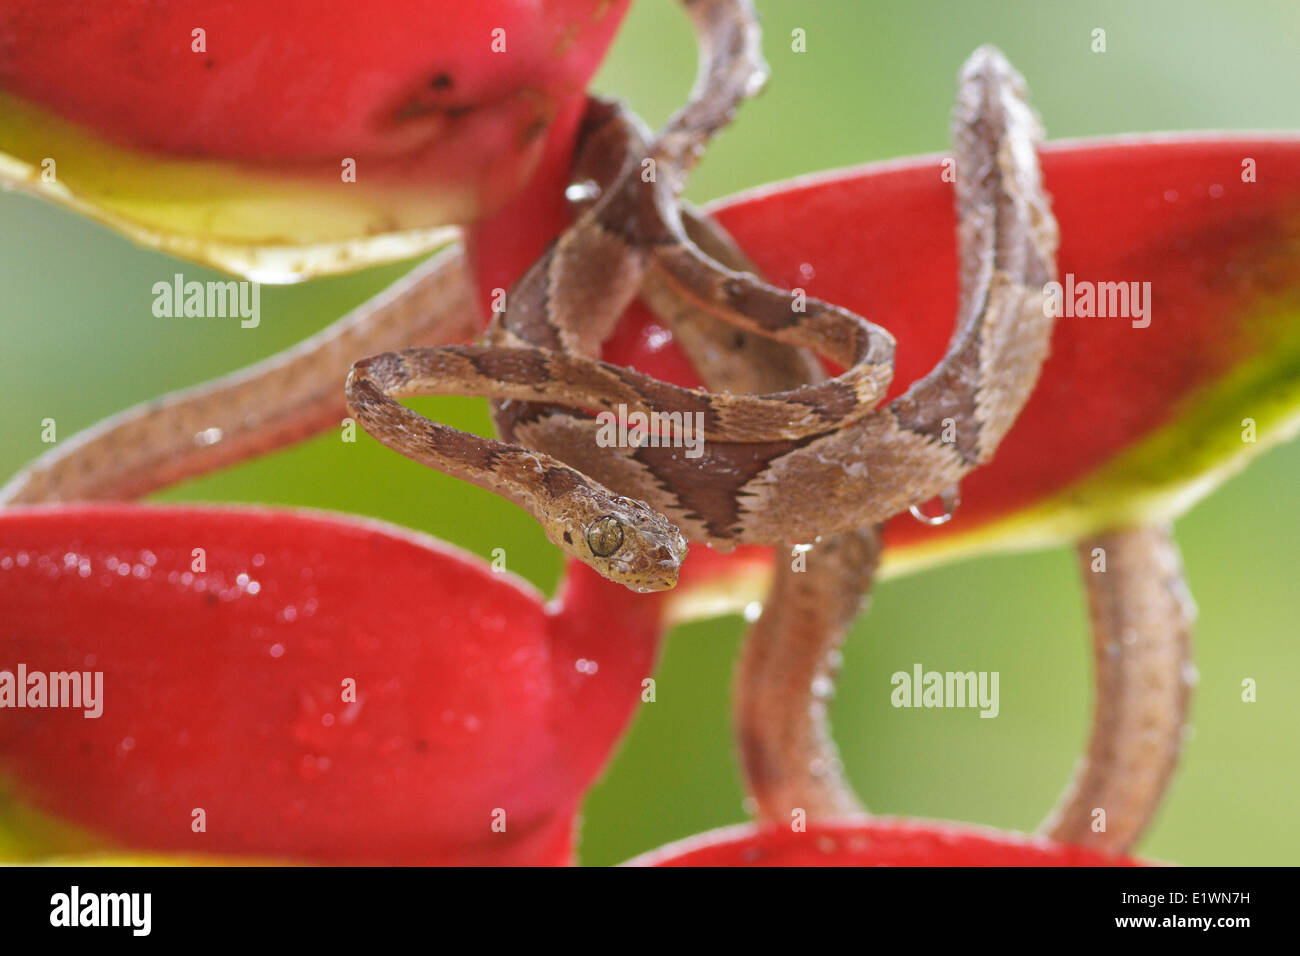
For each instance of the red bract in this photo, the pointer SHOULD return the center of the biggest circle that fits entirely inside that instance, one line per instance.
(298, 80)
(291, 139)
(1219, 254)
(868, 842)
(225, 689)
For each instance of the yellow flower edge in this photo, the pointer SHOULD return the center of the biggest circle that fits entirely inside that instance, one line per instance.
(258, 222)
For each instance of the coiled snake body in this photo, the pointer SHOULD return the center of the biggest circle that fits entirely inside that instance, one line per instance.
(762, 455)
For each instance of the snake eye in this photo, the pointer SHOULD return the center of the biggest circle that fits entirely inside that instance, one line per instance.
(605, 536)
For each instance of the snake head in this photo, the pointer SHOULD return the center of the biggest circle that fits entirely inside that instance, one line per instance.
(626, 541)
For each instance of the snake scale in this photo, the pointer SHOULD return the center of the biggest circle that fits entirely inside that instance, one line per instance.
(788, 457)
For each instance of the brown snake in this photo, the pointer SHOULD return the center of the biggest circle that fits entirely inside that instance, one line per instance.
(793, 464)
(866, 463)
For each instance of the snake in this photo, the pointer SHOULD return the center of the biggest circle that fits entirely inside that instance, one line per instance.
(760, 452)
(801, 457)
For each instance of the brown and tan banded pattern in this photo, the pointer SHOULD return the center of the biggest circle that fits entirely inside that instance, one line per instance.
(1142, 617)
(816, 460)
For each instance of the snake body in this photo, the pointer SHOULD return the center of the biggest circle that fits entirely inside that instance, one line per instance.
(866, 463)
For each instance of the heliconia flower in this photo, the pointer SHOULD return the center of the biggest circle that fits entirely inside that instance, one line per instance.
(1120, 428)
(229, 701)
(299, 686)
(287, 686)
(270, 686)
(297, 138)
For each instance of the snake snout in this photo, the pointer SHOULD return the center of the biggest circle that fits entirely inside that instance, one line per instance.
(636, 546)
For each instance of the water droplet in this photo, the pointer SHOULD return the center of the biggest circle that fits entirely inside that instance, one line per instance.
(1216, 191)
(753, 611)
(657, 337)
(584, 191)
(1171, 195)
(807, 271)
(755, 82)
(277, 650)
(950, 497)
(209, 436)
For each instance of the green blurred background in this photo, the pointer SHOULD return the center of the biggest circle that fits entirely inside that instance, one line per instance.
(877, 81)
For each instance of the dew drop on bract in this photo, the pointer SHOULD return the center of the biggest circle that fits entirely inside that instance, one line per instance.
(950, 498)
(584, 191)
(755, 82)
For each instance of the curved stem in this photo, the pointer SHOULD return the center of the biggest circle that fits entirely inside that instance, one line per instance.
(1142, 616)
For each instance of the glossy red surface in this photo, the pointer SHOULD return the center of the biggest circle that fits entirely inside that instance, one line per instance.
(223, 689)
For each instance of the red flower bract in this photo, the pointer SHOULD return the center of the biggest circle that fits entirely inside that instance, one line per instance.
(867, 842)
(279, 140)
(298, 79)
(226, 689)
